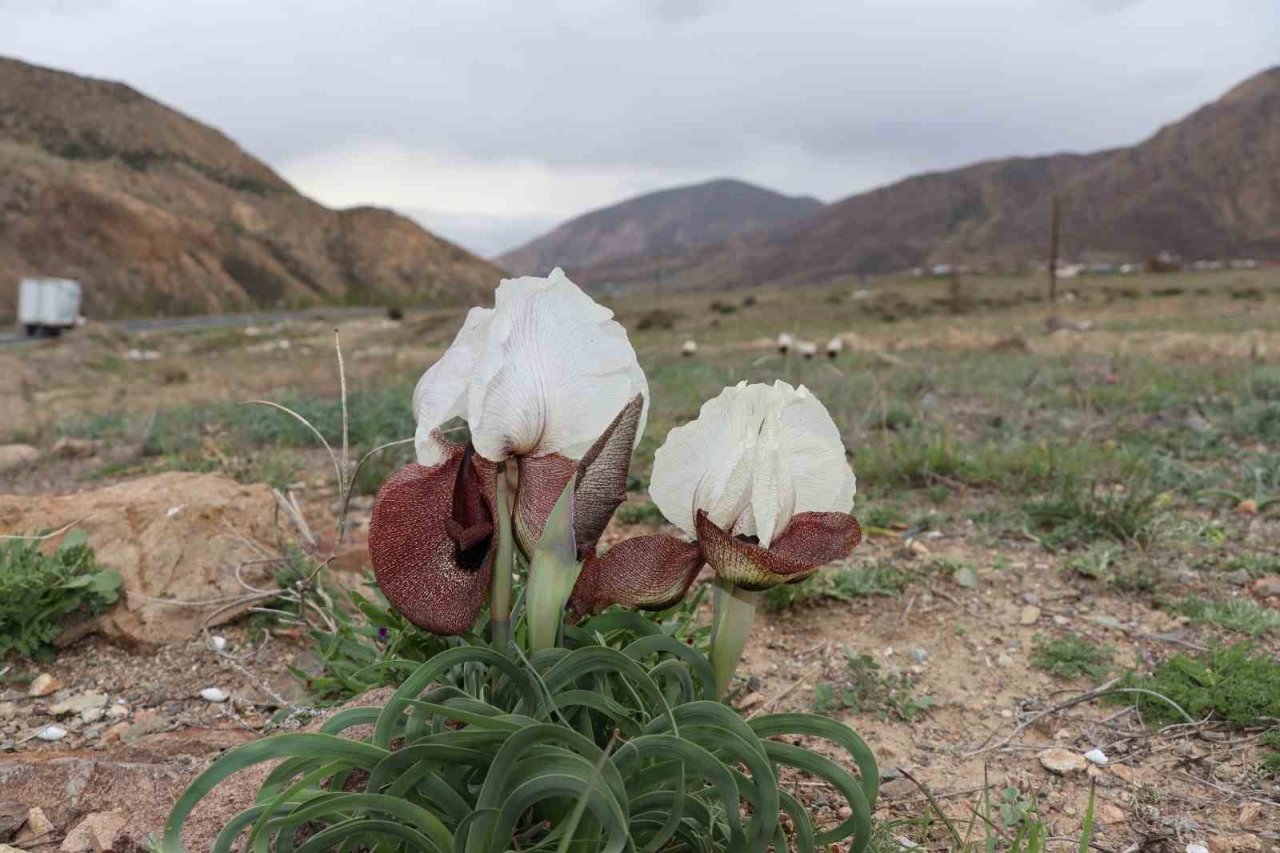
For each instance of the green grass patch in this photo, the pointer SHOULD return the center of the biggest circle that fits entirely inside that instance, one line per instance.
(1072, 657)
(1078, 515)
(1233, 684)
(1241, 615)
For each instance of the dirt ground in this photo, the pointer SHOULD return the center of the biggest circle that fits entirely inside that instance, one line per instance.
(966, 646)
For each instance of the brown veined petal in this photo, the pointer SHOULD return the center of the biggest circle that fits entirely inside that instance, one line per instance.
(542, 481)
(431, 540)
(810, 540)
(601, 483)
(650, 572)
(602, 477)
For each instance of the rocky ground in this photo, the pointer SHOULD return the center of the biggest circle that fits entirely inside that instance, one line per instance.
(173, 493)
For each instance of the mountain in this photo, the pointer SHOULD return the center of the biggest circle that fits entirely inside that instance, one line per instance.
(670, 221)
(157, 213)
(1207, 186)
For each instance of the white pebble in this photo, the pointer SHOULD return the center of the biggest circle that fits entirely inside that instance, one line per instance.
(214, 694)
(52, 733)
(1197, 848)
(217, 643)
(174, 511)
(1096, 756)
(689, 348)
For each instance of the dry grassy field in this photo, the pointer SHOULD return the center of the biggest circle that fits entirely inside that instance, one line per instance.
(1072, 518)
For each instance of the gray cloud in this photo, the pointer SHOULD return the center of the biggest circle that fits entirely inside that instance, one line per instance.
(528, 112)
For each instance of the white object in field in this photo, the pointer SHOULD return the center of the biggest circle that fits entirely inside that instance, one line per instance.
(214, 694)
(217, 643)
(689, 347)
(834, 347)
(785, 342)
(52, 733)
(51, 304)
(1096, 756)
(808, 349)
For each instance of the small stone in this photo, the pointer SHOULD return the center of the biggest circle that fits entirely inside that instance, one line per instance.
(173, 512)
(118, 711)
(52, 733)
(43, 685)
(966, 577)
(844, 812)
(92, 715)
(1106, 621)
(96, 833)
(1248, 506)
(1029, 615)
(78, 703)
(1096, 756)
(38, 827)
(1197, 848)
(918, 547)
(14, 456)
(214, 694)
(896, 789)
(1006, 713)
(1240, 842)
(1109, 813)
(8, 710)
(217, 643)
(1249, 814)
(1270, 585)
(919, 655)
(1004, 660)
(1062, 761)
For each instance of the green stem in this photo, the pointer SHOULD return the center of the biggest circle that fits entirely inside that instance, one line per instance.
(503, 569)
(735, 609)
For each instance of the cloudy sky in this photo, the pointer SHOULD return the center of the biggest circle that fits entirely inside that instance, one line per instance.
(490, 120)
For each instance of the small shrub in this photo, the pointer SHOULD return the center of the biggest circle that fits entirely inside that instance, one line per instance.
(1236, 685)
(1241, 615)
(38, 590)
(864, 687)
(1079, 515)
(1270, 744)
(840, 584)
(640, 513)
(1072, 657)
(723, 307)
(657, 318)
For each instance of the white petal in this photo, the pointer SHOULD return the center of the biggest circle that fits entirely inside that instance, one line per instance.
(441, 393)
(755, 456)
(707, 464)
(813, 453)
(554, 372)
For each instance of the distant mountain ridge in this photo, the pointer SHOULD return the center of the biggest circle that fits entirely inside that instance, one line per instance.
(669, 221)
(1206, 186)
(157, 212)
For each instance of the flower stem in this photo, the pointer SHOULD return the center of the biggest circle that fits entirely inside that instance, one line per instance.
(503, 569)
(735, 608)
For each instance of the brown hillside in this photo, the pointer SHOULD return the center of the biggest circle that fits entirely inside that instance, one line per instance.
(669, 221)
(156, 212)
(1207, 186)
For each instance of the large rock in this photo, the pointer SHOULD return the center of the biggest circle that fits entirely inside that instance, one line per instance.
(173, 537)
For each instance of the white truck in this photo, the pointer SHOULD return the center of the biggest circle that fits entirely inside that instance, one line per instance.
(46, 306)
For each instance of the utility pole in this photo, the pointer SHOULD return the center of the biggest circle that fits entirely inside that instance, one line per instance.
(1053, 252)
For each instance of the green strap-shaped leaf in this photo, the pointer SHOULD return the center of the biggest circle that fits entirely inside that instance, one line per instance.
(320, 746)
(774, 725)
(858, 824)
(662, 644)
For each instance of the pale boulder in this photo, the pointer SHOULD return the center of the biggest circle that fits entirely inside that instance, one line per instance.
(190, 557)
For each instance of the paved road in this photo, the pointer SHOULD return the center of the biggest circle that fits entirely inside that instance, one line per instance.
(217, 321)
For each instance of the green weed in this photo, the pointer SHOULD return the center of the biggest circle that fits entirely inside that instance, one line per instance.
(1234, 684)
(843, 583)
(1241, 615)
(1072, 657)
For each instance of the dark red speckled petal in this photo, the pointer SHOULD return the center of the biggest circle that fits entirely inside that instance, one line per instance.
(810, 540)
(431, 540)
(650, 572)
